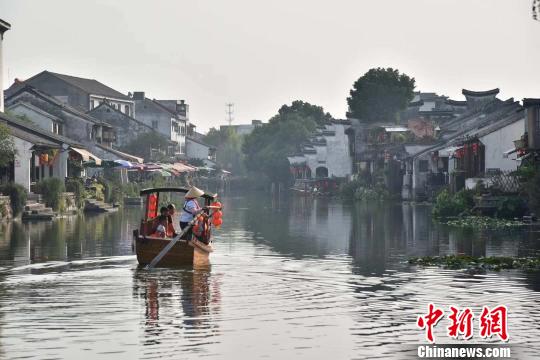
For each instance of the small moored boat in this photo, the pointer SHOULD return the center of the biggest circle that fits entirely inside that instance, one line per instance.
(184, 252)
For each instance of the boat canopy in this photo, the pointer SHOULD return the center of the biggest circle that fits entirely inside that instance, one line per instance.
(174, 189)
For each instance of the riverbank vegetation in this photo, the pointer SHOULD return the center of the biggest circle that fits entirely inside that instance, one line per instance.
(478, 263)
(17, 196)
(365, 187)
(267, 147)
(51, 190)
(7, 146)
(228, 146)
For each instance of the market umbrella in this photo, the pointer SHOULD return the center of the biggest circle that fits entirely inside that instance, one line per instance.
(124, 163)
(104, 164)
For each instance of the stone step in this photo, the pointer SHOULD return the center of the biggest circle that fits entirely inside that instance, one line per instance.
(38, 216)
(93, 205)
(33, 197)
(33, 206)
(42, 211)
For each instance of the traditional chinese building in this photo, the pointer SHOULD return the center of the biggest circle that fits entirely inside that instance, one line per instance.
(80, 93)
(170, 118)
(467, 147)
(327, 154)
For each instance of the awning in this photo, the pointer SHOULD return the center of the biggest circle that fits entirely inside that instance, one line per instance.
(449, 151)
(151, 167)
(124, 163)
(122, 155)
(87, 155)
(396, 129)
(508, 152)
(183, 168)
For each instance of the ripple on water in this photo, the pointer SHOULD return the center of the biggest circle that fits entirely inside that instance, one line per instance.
(253, 302)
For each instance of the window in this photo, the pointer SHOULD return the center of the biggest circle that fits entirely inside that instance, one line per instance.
(154, 124)
(126, 109)
(57, 128)
(423, 165)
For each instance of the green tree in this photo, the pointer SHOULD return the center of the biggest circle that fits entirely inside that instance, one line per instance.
(228, 146)
(7, 146)
(304, 110)
(380, 94)
(141, 146)
(268, 146)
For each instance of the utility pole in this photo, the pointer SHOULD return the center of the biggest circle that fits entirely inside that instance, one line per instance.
(230, 113)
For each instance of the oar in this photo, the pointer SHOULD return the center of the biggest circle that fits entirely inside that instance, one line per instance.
(172, 242)
(169, 246)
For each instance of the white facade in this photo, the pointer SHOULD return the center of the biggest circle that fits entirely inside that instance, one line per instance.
(39, 117)
(22, 162)
(498, 142)
(330, 153)
(125, 106)
(198, 150)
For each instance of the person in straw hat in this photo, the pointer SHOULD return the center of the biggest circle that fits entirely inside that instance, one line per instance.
(191, 207)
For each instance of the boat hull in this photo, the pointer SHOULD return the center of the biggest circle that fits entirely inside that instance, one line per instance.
(182, 253)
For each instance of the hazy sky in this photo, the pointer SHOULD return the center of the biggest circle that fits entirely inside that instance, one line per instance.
(262, 54)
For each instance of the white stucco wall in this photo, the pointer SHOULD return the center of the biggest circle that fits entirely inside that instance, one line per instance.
(500, 141)
(39, 119)
(196, 151)
(22, 162)
(334, 155)
(60, 165)
(338, 159)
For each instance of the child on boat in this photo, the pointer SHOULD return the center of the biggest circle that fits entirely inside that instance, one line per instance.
(171, 232)
(161, 230)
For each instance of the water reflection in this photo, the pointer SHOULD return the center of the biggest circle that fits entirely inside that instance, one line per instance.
(179, 305)
(377, 236)
(68, 238)
(297, 278)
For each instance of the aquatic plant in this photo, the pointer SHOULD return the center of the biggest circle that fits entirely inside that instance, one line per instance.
(482, 222)
(478, 264)
(448, 205)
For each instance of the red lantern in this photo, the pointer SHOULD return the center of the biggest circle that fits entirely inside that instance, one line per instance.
(152, 206)
(217, 222)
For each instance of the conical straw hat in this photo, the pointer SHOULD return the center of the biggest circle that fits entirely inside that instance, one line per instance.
(194, 193)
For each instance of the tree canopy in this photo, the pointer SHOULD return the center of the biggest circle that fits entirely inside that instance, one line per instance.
(228, 146)
(141, 145)
(268, 146)
(379, 95)
(7, 146)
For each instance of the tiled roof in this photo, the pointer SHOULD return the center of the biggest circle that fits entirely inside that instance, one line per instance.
(190, 138)
(104, 104)
(55, 102)
(90, 86)
(480, 93)
(37, 131)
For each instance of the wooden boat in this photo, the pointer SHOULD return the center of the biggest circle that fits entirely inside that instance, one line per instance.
(147, 247)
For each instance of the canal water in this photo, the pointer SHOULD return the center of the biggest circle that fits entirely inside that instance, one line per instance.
(297, 278)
